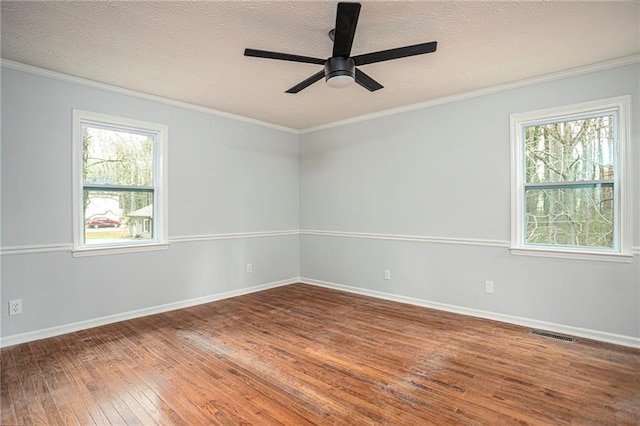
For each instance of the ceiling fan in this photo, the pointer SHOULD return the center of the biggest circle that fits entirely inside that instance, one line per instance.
(340, 69)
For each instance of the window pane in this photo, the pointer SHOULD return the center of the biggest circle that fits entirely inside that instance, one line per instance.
(570, 216)
(116, 157)
(570, 150)
(118, 216)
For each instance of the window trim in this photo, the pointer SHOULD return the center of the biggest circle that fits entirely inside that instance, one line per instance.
(622, 181)
(160, 188)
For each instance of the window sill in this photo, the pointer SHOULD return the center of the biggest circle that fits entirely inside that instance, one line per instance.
(119, 249)
(599, 256)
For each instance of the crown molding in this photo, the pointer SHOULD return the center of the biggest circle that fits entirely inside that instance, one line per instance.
(573, 72)
(601, 66)
(17, 66)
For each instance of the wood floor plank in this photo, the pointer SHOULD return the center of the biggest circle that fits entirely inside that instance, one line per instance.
(305, 355)
(60, 409)
(71, 352)
(35, 412)
(10, 389)
(231, 384)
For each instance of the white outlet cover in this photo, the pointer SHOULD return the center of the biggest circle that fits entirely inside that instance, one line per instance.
(488, 287)
(15, 307)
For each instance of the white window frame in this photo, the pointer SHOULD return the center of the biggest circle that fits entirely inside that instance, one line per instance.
(622, 182)
(160, 231)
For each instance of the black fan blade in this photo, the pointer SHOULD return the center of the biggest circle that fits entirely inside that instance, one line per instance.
(400, 52)
(367, 82)
(306, 83)
(283, 56)
(346, 21)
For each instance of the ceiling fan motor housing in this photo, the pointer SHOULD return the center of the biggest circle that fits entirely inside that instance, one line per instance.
(339, 65)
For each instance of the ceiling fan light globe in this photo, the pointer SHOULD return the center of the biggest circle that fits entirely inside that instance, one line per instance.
(340, 81)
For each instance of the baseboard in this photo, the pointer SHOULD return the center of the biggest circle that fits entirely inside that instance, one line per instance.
(617, 339)
(97, 322)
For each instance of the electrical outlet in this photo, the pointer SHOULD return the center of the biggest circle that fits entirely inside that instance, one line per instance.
(387, 274)
(488, 287)
(249, 267)
(15, 307)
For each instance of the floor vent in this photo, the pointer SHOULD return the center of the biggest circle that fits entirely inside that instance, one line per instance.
(552, 336)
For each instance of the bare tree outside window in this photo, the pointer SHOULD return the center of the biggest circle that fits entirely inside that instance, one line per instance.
(569, 182)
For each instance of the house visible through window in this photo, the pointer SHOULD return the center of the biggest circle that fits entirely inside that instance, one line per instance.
(119, 185)
(568, 178)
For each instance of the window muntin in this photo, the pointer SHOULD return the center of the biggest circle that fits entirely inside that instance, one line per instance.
(568, 178)
(119, 184)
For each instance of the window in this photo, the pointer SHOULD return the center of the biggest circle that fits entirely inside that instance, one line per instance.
(568, 171)
(119, 184)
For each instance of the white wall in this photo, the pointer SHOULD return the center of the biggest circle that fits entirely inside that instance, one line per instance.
(225, 177)
(439, 175)
(443, 172)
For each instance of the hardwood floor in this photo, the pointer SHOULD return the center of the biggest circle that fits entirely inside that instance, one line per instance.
(302, 355)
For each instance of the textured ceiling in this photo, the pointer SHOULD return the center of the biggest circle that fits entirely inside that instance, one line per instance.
(192, 51)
